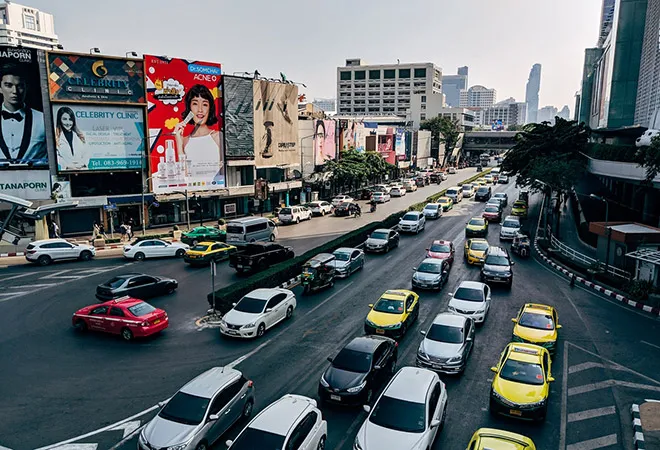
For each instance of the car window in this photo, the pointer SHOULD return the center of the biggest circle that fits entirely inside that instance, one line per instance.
(158, 244)
(140, 281)
(276, 300)
(301, 431)
(64, 245)
(522, 372)
(496, 260)
(537, 321)
(473, 445)
(444, 333)
(101, 310)
(379, 353)
(141, 309)
(115, 282)
(400, 415)
(185, 408)
(116, 312)
(409, 302)
(469, 294)
(478, 245)
(250, 305)
(226, 396)
(355, 254)
(546, 362)
(433, 401)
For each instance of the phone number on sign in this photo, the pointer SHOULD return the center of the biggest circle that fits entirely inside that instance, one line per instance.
(119, 163)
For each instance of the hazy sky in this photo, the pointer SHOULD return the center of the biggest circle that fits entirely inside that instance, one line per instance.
(308, 39)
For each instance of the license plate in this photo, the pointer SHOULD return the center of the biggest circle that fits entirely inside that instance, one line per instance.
(157, 321)
(379, 331)
(335, 398)
(515, 412)
(497, 278)
(231, 332)
(240, 266)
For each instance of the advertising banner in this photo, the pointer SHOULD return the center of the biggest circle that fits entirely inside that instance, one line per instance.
(94, 137)
(275, 124)
(22, 128)
(95, 79)
(324, 141)
(400, 144)
(239, 118)
(386, 146)
(26, 184)
(354, 137)
(185, 124)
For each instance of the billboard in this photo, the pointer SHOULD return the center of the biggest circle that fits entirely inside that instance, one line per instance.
(400, 144)
(354, 137)
(95, 79)
(275, 124)
(26, 184)
(185, 124)
(386, 146)
(95, 137)
(239, 118)
(22, 128)
(325, 147)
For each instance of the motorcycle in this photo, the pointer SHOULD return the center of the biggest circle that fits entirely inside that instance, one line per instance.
(372, 207)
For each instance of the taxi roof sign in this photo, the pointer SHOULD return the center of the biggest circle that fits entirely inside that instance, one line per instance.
(394, 292)
(539, 306)
(527, 351)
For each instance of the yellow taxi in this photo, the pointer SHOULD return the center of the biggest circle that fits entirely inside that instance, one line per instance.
(205, 252)
(446, 203)
(393, 313)
(475, 250)
(519, 208)
(481, 182)
(476, 226)
(489, 179)
(492, 439)
(522, 382)
(537, 324)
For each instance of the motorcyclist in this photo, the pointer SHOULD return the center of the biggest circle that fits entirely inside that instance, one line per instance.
(373, 204)
(358, 210)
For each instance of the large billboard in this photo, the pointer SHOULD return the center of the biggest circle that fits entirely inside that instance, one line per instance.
(400, 144)
(185, 124)
(354, 137)
(26, 184)
(22, 128)
(239, 118)
(386, 146)
(275, 124)
(95, 79)
(95, 137)
(325, 147)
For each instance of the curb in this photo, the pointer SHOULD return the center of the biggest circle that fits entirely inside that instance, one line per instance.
(10, 254)
(638, 433)
(293, 282)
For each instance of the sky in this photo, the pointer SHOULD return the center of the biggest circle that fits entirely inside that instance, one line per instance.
(308, 39)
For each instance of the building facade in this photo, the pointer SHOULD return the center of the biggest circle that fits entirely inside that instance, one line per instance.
(477, 97)
(27, 27)
(547, 114)
(503, 114)
(647, 106)
(532, 93)
(328, 105)
(452, 85)
(423, 107)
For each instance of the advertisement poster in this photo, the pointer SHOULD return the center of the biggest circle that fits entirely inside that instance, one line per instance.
(400, 144)
(94, 137)
(185, 124)
(275, 124)
(324, 141)
(103, 79)
(354, 137)
(386, 146)
(22, 129)
(26, 184)
(239, 118)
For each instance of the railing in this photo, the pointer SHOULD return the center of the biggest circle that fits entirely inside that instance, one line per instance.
(585, 260)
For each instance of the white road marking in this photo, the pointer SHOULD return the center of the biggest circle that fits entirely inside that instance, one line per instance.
(594, 365)
(119, 444)
(652, 345)
(591, 413)
(4, 448)
(128, 427)
(30, 285)
(592, 444)
(564, 400)
(246, 356)
(13, 278)
(609, 383)
(78, 447)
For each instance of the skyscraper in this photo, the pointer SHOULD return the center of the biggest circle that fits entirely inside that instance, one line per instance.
(647, 109)
(532, 93)
(452, 86)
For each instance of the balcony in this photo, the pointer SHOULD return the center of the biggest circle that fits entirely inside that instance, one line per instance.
(617, 169)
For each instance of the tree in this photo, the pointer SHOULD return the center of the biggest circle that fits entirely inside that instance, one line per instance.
(355, 168)
(445, 131)
(648, 156)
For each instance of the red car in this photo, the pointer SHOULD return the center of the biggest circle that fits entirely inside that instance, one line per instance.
(126, 316)
(492, 214)
(441, 250)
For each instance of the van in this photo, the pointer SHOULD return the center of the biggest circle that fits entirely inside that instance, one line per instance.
(251, 229)
(293, 214)
(455, 193)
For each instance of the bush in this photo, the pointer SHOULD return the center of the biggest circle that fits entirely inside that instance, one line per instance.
(639, 289)
(610, 152)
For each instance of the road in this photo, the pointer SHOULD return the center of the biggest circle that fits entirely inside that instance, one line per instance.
(68, 385)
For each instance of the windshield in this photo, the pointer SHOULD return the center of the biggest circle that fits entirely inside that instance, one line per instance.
(499, 195)
(478, 222)
(445, 333)
(469, 295)
(235, 229)
(492, 209)
(519, 205)
(522, 372)
(200, 248)
(341, 256)
(252, 438)
(440, 248)
(378, 235)
(412, 217)
(452, 191)
(431, 207)
(250, 305)
(352, 361)
(141, 309)
(115, 282)
(479, 246)
(482, 189)
(185, 408)
(444, 200)
(285, 211)
(496, 260)
(430, 268)
(399, 415)
(511, 224)
(389, 306)
(537, 321)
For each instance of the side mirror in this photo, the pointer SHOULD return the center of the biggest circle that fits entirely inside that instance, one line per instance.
(269, 310)
(214, 417)
(514, 320)
(450, 294)
(371, 305)
(366, 408)
(422, 332)
(513, 263)
(330, 359)
(468, 339)
(435, 423)
(415, 269)
(228, 443)
(493, 369)
(444, 272)
(551, 379)
(558, 327)
(378, 367)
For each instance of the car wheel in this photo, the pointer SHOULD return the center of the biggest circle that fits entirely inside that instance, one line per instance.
(247, 409)
(81, 326)
(44, 260)
(170, 289)
(126, 334)
(272, 238)
(201, 446)
(139, 256)
(194, 242)
(361, 265)
(180, 252)
(86, 255)
(321, 445)
(322, 213)
(289, 312)
(261, 330)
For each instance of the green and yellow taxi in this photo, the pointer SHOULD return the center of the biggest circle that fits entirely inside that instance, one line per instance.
(446, 203)
(537, 324)
(492, 439)
(522, 382)
(481, 182)
(476, 227)
(203, 234)
(393, 313)
(205, 252)
(519, 208)
(475, 250)
(489, 179)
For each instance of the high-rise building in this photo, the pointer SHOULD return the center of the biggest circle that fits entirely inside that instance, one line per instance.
(532, 93)
(647, 108)
(547, 114)
(606, 20)
(27, 27)
(328, 105)
(452, 85)
(565, 113)
(506, 113)
(477, 97)
(384, 89)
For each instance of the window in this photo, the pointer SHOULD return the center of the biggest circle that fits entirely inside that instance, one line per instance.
(423, 98)
(389, 74)
(345, 75)
(378, 354)
(276, 300)
(63, 245)
(256, 227)
(185, 408)
(101, 310)
(29, 22)
(360, 75)
(404, 73)
(374, 74)
(420, 73)
(140, 281)
(433, 401)
(422, 116)
(302, 430)
(116, 312)
(409, 302)
(158, 244)
(225, 397)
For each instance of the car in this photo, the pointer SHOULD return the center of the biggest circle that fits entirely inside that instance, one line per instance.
(468, 190)
(294, 214)
(431, 273)
(126, 316)
(347, 260)
(435, 177)
(446, 203)
(154, 248)
(359, 369)
(421, 181)
(343, 209)
(292, 422)
(381, 197)
(492, 213)
(408, 414)
(257, 256)
(455, 193)
(395, 184)
(447, 344)
(537, 324)
(136, 285)
(339, 199)
(444, 175)
(477, 226)
(519, 209)
(45, 251)
(497, 267)
(475, 251)
(382, 240)
(504, 196)
(200, 412)
(382, 188)
(521, 385)
(442, 250)
(481, 182)
(510, 227)
(497, 202)
(366, 193)
(204, 234)
(451, 170)
(412, 222)
(492, 439)
(471, 299)
(257, 312)
(503, 179)
(432, 211)
(204, 252)
(398, 191)
(483, 194)
(393, 313)
(489, 179)
(410, 185)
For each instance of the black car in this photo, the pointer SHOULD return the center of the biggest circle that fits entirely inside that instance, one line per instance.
(497, 267)
(137, 285)
(483, 194)
(344, 209)
(359, 370)
(435, 178)
(366, 193)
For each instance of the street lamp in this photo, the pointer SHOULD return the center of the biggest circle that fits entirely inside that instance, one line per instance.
(94, 50)
(609, 230)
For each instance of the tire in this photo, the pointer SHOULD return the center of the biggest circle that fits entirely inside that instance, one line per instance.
(44, 260)
(322, 213)
(247, 410)
(307, 289)
(201, 446)
(361, 265)
(86, 255)
(289, 312)
(81, 326)
(179, 253)
(170, 290)
(370, 395)
(126, 334)
(139, 256)
(321, 445)
(272, 238)
(297, 220)
(261, 330)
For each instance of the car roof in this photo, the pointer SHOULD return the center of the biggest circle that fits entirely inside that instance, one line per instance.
(454, 187)
(367, 343)
(440, 241)
(208, 243)
(525, 352)
(410, 384)
(446, 318)
(473, 240)
(417, 213)
(396, 294)
(210, 382)
(264, 293)
(128, 275)
(471, 285)
(516, 218)
(478, 218)
(125, 301)
(345, 250)
(280, 416)
(382, 230)
(434, 261)
(46, 241)
(432, 204)
(538, 308)
(500, 194)
(497, 251)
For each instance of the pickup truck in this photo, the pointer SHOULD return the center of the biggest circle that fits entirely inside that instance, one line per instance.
(259, 256)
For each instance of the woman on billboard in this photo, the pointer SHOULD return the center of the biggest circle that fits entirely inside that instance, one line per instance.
(69, 141)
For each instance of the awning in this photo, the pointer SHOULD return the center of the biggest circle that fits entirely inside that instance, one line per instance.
(650, 255)
(129, 199)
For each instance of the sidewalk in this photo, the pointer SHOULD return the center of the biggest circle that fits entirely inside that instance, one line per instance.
(568, 232)
(647, 428)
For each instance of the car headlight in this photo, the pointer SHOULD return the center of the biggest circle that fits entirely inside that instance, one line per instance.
(480, 311)
(396, 326)
(142, 439)
(356, 445)
(422, 355)
(357, 388)
(323, 382)
(179, 447)
(370, 323)
(538, 404)
(250, 325)
(454, 360)
(223, 323)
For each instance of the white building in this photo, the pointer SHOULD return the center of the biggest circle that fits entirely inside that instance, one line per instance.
(423, 107)
(547, 114)
(328, 105)
(27, 27)
(508, 112)
(478, 97)
(384, 89)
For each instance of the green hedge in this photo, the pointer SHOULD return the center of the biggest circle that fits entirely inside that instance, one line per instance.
(611, 152)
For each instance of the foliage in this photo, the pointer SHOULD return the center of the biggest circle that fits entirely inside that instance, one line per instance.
(444, 130)
(649, 157)
(639, 289)
(610, 152)
(357, 167)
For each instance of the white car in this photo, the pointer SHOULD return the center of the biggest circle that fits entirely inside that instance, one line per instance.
(408, 414)
(471, 299)
(443, 175)
(510, 227)
(338, 200)
(320, 208)
(455, 193)
(154, 248)
(383, 188)
(292, 422)
(380, 197)
(412, 222)
(398, 191)
(46, 251)
(294, 214)
(410, 185)
(258, 311)
(468, 190)
(451, 170)
(432, 211)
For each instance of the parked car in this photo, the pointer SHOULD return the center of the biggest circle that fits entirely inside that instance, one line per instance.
(205, 252)
(381, 197)
(398, 191)
(471, 299)
(412, 222)
(204, 234)
(154, 248)
(510, 227)
(344, 209)
(259, 256)
(440, 249)
(294, 214)
(483, 194)
(431, 273)
(455, 193)
(497, 267)
(347, 261)
(257, 312)
(319, 208)
(136, 285)
(382, 240)
(447, 344)
(504, 196)
(338, 200)
(45, 251)
(432, 211)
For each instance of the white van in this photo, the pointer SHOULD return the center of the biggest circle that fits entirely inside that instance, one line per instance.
(251, 229)
(455, 193)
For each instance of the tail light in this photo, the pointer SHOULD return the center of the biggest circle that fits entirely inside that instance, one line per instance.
(250, 383)
(31, 252)
(145, 323)
(396, 344)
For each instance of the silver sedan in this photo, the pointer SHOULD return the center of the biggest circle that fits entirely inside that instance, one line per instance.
(447, 344)
(348, 260)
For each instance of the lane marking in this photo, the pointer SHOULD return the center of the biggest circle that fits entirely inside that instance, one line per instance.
(652, 345)
(128, 427)
(13, 278)
(593, 444)
(78, 447)
(30, 285)
(591, 413)
(607, 384)
(564, 400)
(119, 444)
(237, 361)
(4, 448)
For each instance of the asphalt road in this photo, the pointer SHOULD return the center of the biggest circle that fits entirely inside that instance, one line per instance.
(65, 385)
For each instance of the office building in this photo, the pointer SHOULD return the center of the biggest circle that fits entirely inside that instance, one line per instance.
(647, 107)
(565, 113)
(384, 89)
(424, 107)
(546, 114)
(532, 93)
(328, 105)
(606, 21)
(477, 97)
(27, 27)
(452, 85)
(505, 113)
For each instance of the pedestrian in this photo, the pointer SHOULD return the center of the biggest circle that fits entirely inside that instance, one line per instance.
(129, 232)
(95, 232)
(122, 231)
(102, 232)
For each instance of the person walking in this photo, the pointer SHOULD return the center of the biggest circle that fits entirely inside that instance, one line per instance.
(95, 232)
(55, 230)
(102, 232)
(129, 232)
(122, 231)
